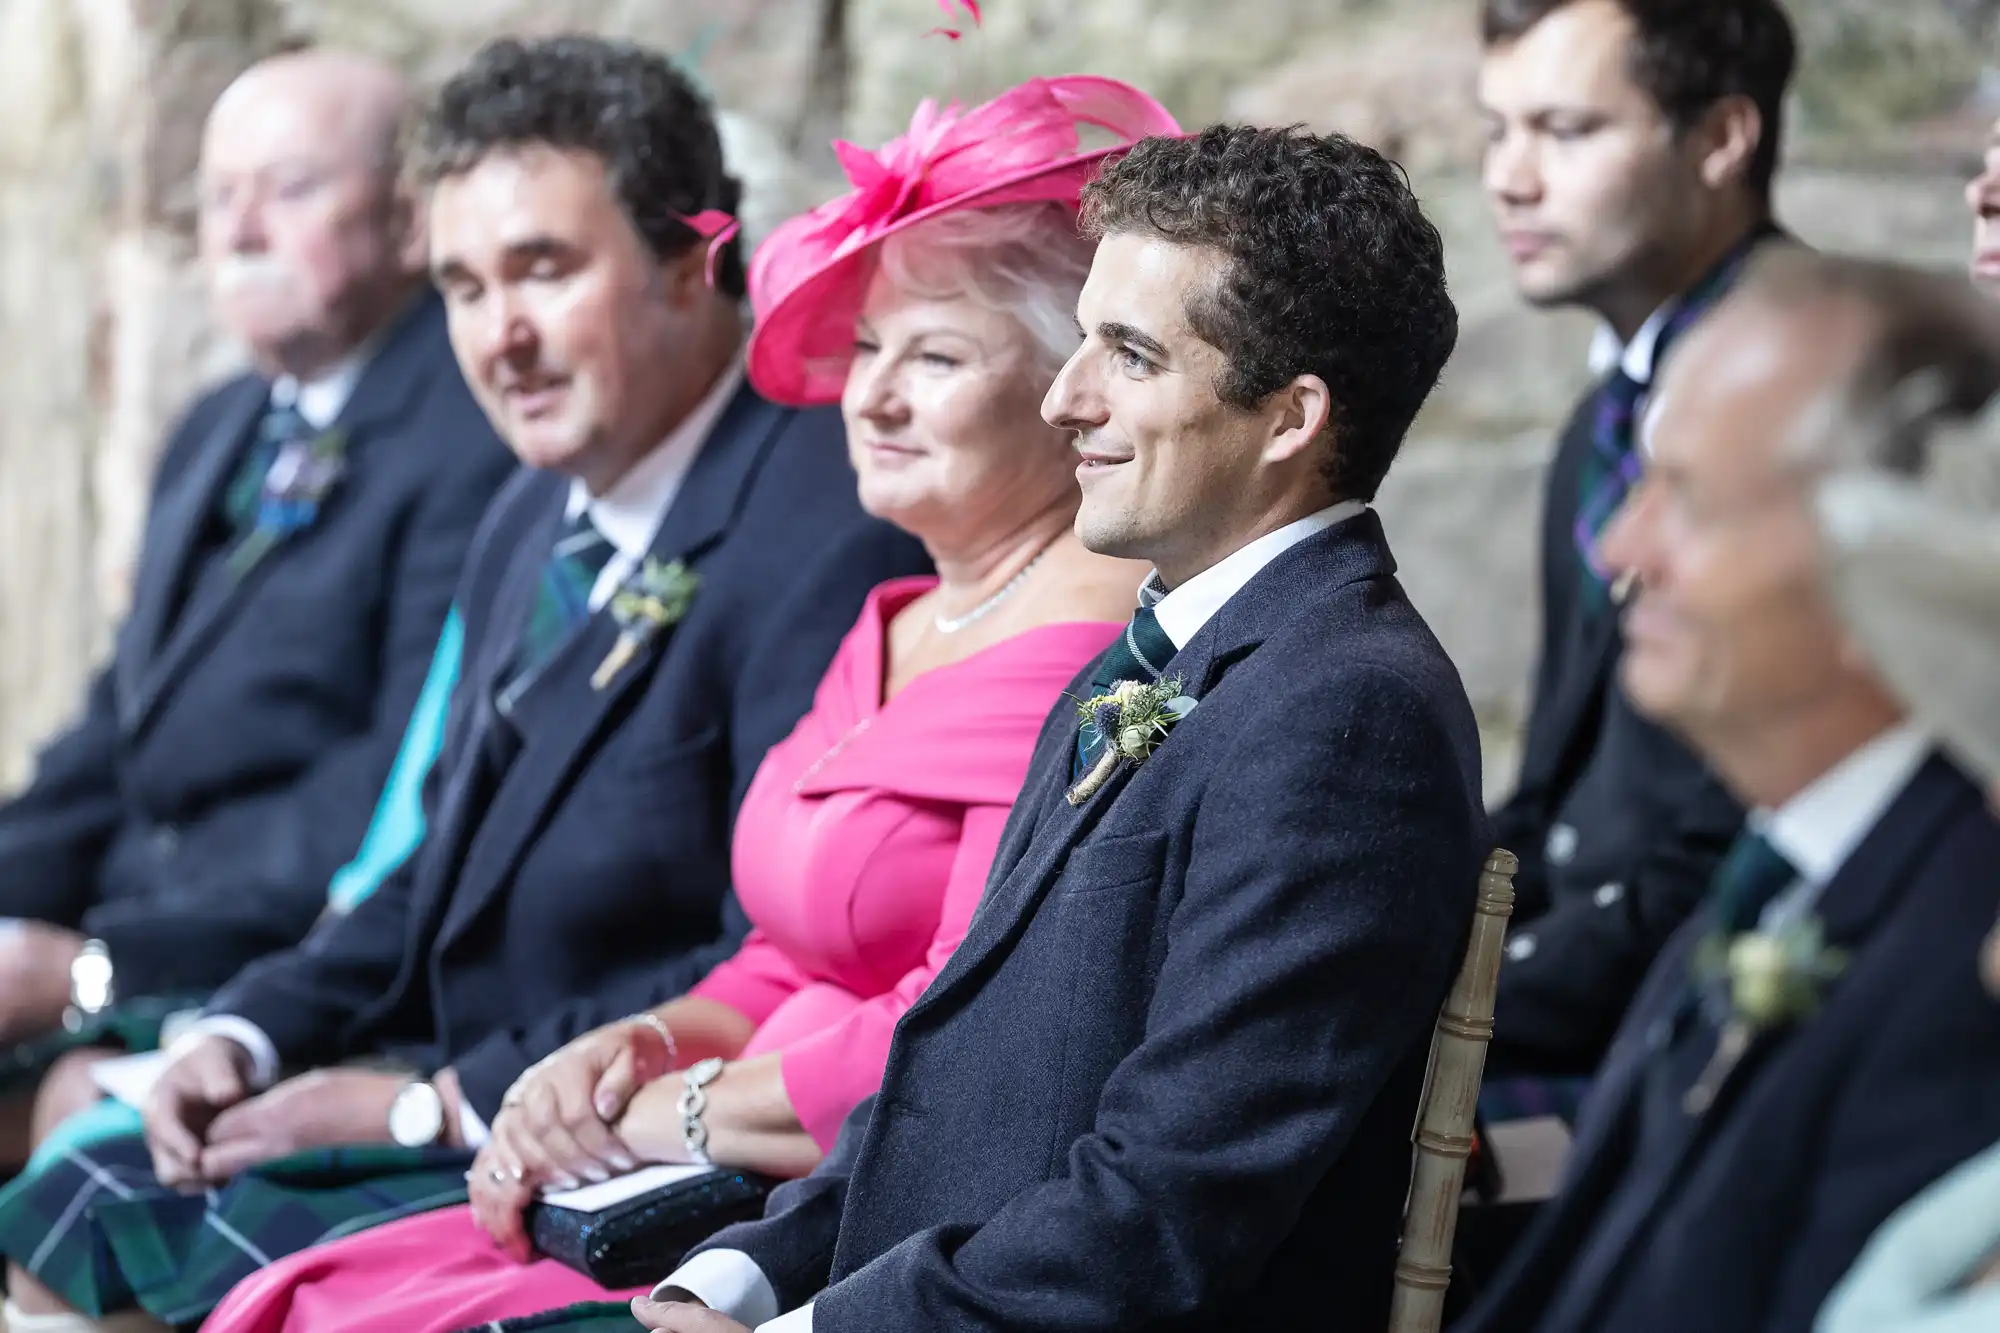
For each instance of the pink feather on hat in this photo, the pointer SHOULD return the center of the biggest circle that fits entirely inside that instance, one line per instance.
(807, 279)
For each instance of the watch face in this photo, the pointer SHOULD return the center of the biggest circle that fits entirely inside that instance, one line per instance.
(90, 982)
(416, 1117)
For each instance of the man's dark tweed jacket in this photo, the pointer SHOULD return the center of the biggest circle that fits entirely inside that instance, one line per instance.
(1169, 1078)
(576, 864)
(229, 757)
(1741, 1220)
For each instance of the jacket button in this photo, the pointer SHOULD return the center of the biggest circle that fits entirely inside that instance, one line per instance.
(166, 841)
(1521, 948)
(1608, 894)
(1560, 849)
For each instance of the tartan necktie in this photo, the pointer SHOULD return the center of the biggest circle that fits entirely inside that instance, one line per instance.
(1750, 876)
(562, 598)
(244, 496)
(1140, 654)
(1613, 464)
(1609, 470)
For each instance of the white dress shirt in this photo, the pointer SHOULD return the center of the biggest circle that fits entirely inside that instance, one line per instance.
(629, 516)
(321, 399)
(1184, 610)
(1818, 829)
(630, 513)
(730, 1280)
(1636, 360)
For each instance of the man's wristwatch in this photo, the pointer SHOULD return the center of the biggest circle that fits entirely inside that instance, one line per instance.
(416, 1117)
(91, 987)
(694, 1101)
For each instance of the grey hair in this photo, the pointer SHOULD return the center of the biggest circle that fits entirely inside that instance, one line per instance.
(1027, 261)
(1928, 363)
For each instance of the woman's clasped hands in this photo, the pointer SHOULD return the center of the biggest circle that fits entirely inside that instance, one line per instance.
(558, 1126)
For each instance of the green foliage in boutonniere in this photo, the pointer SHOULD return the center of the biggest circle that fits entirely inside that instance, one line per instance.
(653, 600)
(1773, 978)
(294, 487)
(1133, 720)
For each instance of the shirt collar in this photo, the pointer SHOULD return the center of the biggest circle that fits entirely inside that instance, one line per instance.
(1184, 610)
(321, 399)
(630, 513)
(1818, 829)
(1635, 358)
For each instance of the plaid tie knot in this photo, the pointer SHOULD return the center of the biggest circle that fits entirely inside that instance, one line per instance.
(1609, 471)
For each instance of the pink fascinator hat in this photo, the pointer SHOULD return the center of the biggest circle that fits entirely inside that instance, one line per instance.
(808, 278)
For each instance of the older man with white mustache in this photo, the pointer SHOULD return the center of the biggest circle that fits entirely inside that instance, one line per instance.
(303, 543)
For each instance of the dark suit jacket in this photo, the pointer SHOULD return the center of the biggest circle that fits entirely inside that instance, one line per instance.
(1169, 1078)
(229, 757)
(1618, 825)
(576, 868)
(1742, 1220)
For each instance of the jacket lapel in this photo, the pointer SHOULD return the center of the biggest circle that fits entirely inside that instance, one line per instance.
(386, 390)
(1854, 901)
(1870, 883)
(1354, 550)
(1593, 654)
(560, 712)
(172, 536)
(477, 773)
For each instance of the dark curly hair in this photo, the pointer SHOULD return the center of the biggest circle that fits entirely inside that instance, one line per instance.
(627, 105)
(1687, 55)
(1331, 269)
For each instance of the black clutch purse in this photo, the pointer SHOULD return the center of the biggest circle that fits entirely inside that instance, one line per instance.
(641, 1239)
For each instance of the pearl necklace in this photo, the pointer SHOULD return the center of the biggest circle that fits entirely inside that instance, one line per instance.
(953, 624)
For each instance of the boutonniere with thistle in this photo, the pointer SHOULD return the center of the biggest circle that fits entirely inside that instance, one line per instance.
(651, 602)
(295, 486)
(1763, 980)
(1132, 720)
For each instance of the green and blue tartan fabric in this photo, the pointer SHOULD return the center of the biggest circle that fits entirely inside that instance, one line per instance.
(590, 1317)
(132, 1026)
(562, 599)
(245, 494)
(98, 1229)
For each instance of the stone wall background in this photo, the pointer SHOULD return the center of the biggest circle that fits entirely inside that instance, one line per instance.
(104, 332)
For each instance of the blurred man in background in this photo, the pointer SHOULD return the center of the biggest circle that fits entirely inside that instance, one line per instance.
(1629, 166)
(1814, 1047)
(304, 538)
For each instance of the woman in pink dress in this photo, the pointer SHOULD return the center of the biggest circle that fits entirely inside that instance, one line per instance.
(938, 316)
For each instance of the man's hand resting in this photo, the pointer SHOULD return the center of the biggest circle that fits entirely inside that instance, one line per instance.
(322, 1109)
(201, 1083)
(35, 958)
(683, 1314)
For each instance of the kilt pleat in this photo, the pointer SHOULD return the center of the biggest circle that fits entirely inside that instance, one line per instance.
(95, 1226)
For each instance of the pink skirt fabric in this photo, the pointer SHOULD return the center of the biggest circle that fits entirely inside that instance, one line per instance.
(432, 1273)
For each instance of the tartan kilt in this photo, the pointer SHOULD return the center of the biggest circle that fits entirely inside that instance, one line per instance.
(134, 1026)
(590, 1317)
(96, 1227)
